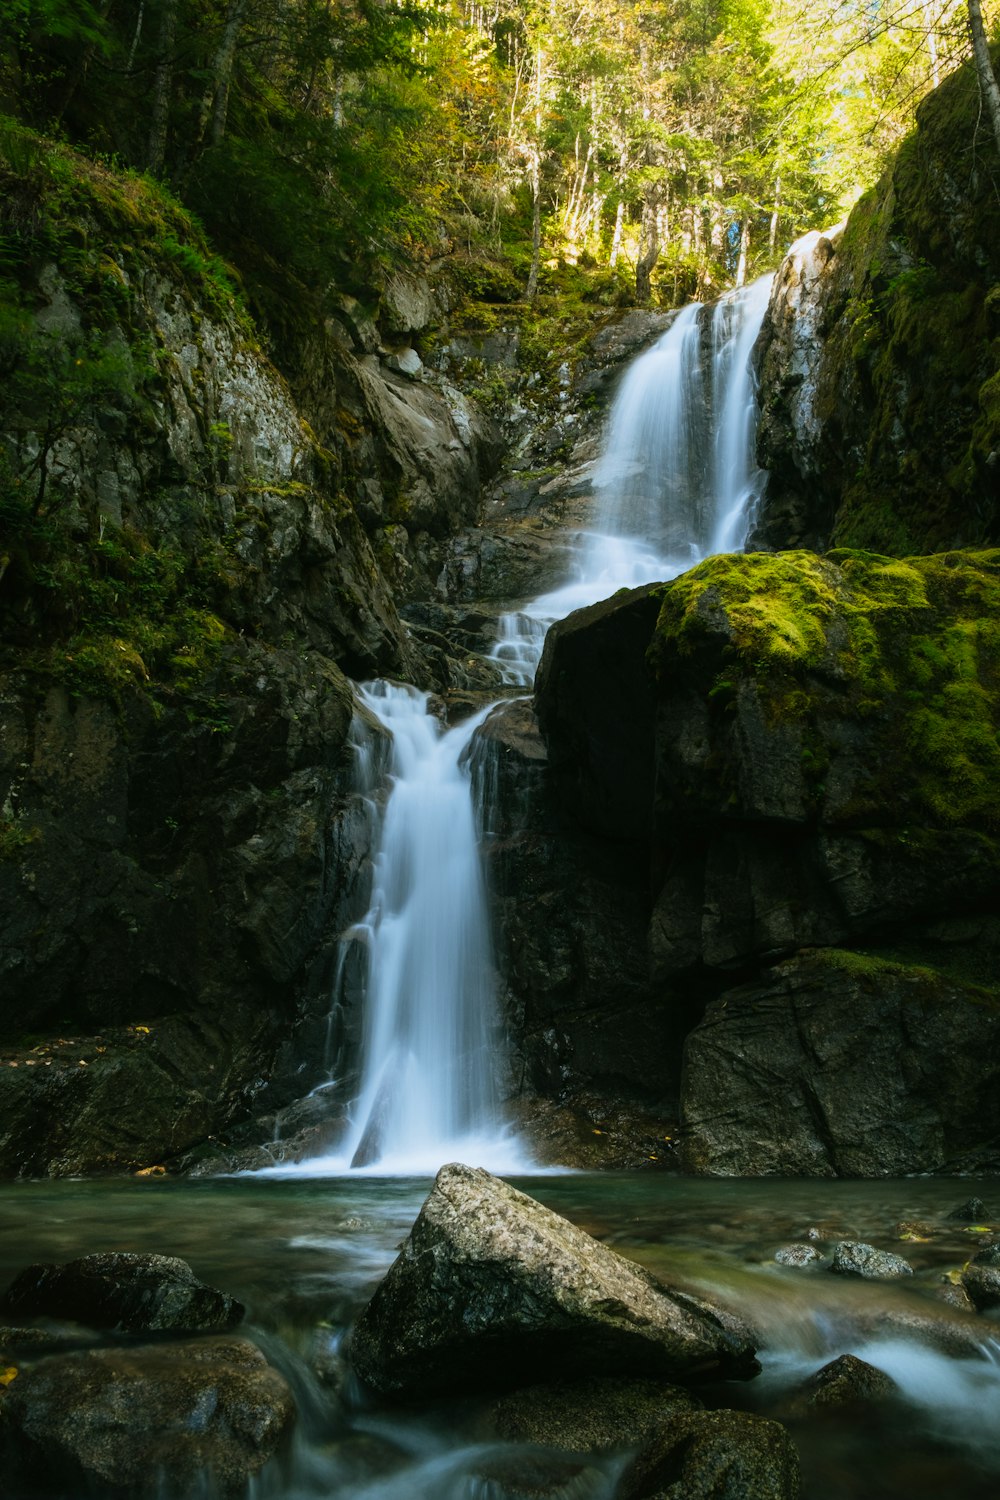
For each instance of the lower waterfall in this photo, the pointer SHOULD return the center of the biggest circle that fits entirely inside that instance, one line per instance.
(676, 482)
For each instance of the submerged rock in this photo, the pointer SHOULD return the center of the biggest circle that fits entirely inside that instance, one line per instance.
(798, 1255)
(587, 1416)
(492, 1288)
(128, 1420)
(981, 1278)
(123, 1290)
(715, 1455)
(856, 1258)
(972, 1211)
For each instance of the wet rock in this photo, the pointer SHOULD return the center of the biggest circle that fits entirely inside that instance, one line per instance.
(798, 1255)
(955, 1295)
(856, 1258)
(913, 1231)
(972, 1211)
(715, 1455)
(844, 1381)
(123, 1290)
(588, 1416)
(982, 1282)
(949, 1333)
(491, 1287)
(506, 1474)
(989, 1255)
(133, 1420)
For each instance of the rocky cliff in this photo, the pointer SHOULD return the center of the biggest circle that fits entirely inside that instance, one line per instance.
(880, 361)
(775, 788)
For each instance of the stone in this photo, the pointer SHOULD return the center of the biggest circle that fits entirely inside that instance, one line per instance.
(857, 1258)
(972, 1211)
(714, 1455)
(405, 362)
(123, 1290)
(131, 1421)
(844, 1381)
(491, 1287)
(798, 1255)
(982, 1282)
(589, 1416)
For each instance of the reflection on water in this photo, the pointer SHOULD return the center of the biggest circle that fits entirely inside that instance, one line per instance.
(304, 1255)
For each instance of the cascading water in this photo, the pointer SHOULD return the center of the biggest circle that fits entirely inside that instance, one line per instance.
(677, 481)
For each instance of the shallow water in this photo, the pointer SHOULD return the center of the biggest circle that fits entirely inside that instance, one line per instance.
(305, 1254)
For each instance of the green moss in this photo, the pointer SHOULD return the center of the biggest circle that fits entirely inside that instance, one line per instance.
(15, 839)
(909, 646)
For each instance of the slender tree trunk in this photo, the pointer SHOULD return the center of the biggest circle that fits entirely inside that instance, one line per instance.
(772, 237)
(988, 87)
(741, 264)
(932, 46)
(224, 60)
(650, 243)
(536, 181)
(616, 238)
(159, 114)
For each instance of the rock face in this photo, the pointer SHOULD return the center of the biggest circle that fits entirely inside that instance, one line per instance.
(819, 777)
(491, 1287)
(123, 1290)
(133, 1420)
(887, 437)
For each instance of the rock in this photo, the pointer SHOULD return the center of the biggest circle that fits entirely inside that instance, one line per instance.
(490, 1286)
(405, 362)
(954, 1295)
(989, 1255)
(589, 1416)
(843, 1381)
(913, 1231)
(839, 1065)
(130, 1421)
(408, 304)
(798, 1255)
(959, 1337)
(123, 1290)
(856, 1258)
(714, 1455)
(532, 1475)
(982, 1282)
(972, 1211)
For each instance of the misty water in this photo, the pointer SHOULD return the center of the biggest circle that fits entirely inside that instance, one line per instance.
(305, 1254)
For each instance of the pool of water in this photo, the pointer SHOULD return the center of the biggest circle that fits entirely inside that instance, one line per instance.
(304, 1255)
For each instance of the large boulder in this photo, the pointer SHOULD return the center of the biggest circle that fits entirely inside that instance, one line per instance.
(124, 1290)
(492, 1289)
(131, 1421)
(589, 1416)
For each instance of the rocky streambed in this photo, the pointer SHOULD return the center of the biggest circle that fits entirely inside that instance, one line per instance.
(596, 1337)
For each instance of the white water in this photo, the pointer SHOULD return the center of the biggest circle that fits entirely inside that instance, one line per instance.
(677, 482)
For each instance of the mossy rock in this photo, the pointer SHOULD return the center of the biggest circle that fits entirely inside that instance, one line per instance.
(879, 675)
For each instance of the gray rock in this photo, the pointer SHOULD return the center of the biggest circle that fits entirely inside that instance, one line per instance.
(130, 1421)
(406, 362)
(589, 1416)
(857, 1258)
(714, 1455)
(491, 1287)
(972, 1211)
(123, 1290)
(798, 1255)
(844, 1381)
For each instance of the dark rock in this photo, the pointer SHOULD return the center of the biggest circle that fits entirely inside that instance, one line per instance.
(982, 1282)
(839, 1065)
(972, 1211)
(954, 1295)
(856, 1258)
(491, 1286)
(588, 1416)
(798, 1255)
(844, 1381)
(133, 1420)
(124, 1290)
(714, 1455)
(509, 1474)
(989, 1255)
(950, 1333)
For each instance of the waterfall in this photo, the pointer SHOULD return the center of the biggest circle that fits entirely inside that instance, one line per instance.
(677, 481)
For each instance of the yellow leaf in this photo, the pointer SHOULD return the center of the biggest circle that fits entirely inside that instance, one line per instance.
(7, 1374)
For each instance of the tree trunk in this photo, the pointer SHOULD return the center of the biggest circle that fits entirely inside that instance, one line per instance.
(741, 264)
(616, 238)
(536, 226)
(988, 87)
(159, 114)
(650, 242)
(772, 236)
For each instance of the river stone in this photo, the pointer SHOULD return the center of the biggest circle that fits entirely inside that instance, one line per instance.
(798, 1255)
(982, 1282)
(491, 1287)
(124, 1290)
(133, 1420)
(972, 1211)
(715, 1455)
(856, 1258)
(586, 1416)
(845, 1380)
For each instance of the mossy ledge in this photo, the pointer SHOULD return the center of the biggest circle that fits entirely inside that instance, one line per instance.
(908, 648)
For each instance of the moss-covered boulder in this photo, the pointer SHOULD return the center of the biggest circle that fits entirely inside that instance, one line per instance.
(890, 437)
